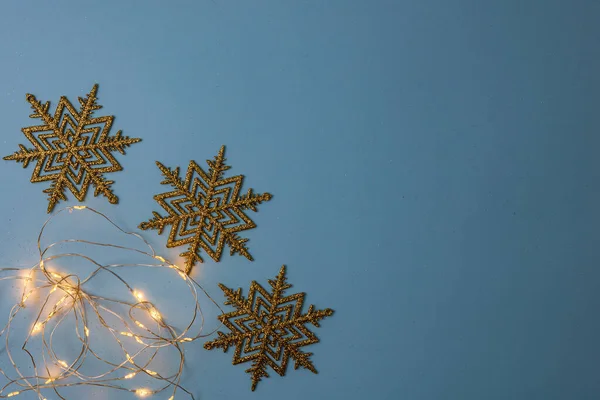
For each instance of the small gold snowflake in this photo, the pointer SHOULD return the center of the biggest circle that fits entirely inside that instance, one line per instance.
(72, 149)
(268, 328)
(205, 210)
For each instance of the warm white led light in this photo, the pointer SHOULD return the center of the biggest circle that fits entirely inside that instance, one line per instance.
(42, 281)
(143, 392)
(155, 314)
(37, 328)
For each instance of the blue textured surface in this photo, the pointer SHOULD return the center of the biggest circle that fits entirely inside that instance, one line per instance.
(434, 165)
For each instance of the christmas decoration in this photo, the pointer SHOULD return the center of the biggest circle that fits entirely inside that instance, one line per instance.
(268, 329)
(92, 322)
(205, 210)
(72, 149)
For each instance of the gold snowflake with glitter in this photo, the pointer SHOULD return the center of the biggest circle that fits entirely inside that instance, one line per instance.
(72, 149)
(268, 329)
(205, 210)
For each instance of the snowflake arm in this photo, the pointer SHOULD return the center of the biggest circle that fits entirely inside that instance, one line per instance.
(258, 371)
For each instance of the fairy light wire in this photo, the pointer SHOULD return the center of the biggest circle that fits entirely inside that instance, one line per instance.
(77, 302)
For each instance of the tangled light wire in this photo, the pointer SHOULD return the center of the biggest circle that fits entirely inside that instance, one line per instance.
(64, 295)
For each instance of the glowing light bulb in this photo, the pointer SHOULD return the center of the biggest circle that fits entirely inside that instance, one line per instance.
(159, 258)
(138, 295)
(138, 323)
(171, 398)
(79, 207)
(127, 334)
(155, 314)
(182, 275)
(129, 376)
(37, 327)
(63, 363)
(87, 331)
(55, 275)
(151, 373)
(50, 380)
(54, 288)
(143, 392)
(137, 339)
(12, 394)
(187, 339)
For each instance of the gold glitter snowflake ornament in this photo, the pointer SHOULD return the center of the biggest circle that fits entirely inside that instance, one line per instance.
(268, 328)
(72, 149)
(205, 211)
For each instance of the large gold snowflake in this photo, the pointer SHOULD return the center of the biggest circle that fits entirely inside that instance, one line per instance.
(268, 328)
(205, 211)
(72, 149)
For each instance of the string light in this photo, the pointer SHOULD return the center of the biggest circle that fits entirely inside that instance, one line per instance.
(143, 392)
(37, 328)
(155, 314)
(77, 302)
(138, 323)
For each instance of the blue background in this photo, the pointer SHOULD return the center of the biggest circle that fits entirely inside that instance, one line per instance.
(434, 166)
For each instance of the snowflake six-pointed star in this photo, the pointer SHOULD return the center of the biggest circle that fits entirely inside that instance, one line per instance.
(205, 211)
(268, 328)
(72, 149)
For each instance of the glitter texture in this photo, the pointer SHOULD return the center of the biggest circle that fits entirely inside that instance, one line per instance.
(268, 329)
(205, 211)
(72, 149)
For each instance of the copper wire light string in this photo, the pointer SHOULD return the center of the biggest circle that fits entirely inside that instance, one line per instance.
(76, 301)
